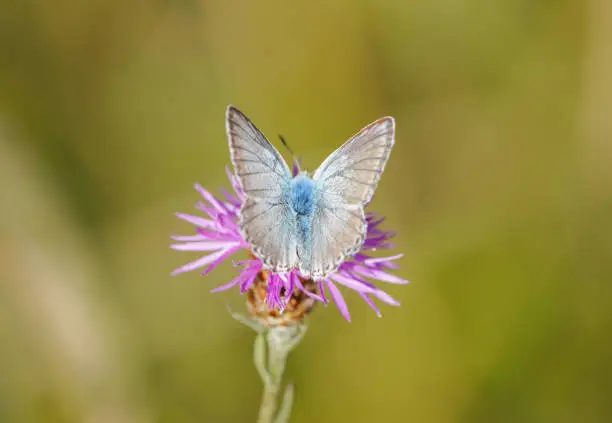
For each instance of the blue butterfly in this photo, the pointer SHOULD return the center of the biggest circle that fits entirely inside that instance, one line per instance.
(309, 223)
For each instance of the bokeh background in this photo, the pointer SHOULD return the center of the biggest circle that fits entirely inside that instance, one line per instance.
(500, 186)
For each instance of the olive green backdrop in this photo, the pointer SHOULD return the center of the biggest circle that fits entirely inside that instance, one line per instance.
(500, 186)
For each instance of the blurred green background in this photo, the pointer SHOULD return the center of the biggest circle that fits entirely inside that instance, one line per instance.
(500, 186)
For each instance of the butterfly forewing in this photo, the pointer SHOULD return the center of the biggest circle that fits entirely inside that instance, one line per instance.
(259, 166)
(351, 173)
(266, 221)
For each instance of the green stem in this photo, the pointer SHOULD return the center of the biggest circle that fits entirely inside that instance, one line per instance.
(270, 382)
(270, 363)
(268, 404)
(271, 349)
(285, 410)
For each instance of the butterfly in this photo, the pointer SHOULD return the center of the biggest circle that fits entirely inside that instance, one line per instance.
(311, 223)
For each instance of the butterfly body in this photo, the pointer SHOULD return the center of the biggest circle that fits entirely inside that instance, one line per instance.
(302, 194)
(303, 204)
(309, 223)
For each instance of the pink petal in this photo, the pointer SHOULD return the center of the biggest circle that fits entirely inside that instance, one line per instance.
(203, 246)
(209, 211)
(391, 265)
(351, 283)
(287, 283)
(372, 261)
(370, 302)
(380, 275)
(226, 224)
(198, 221)
(386, 298)
(273, 293)
(231, 198)
(228, 285)
(188, 238)
(339, 300)
(235, 183)
(210, 198)
(229, 173)
(218, 260)
(201, 262)
(322, 291)
(215, 235)
(298, 283)
(374, 222)
(254, 264)
(249, 278)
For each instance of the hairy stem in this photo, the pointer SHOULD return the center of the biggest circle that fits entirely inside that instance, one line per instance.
(270, 363)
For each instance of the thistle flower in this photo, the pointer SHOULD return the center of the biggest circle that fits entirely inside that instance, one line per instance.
(271, 294)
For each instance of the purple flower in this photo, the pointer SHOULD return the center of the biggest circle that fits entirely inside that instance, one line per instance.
(218, 235)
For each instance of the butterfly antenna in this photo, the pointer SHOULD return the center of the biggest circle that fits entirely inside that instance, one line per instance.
(285, 144)
(296, 160)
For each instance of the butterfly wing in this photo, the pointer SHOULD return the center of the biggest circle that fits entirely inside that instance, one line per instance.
(344, 183)
(266, 221)
(350, 174)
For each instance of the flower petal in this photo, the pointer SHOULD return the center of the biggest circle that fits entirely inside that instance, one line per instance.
(204, 246)
(370, 302)
(349, 282)
(287, 283)
(223, 254)
(211, 235)
(339, 300)
(189, 238)
(380, 275)
(210, 198)
(235, 183)
(228, 285)
(298, 283)
(213, 214)
(196, 220)
(322, 291)
(373, 261)
(231, 198)
(201, 262)
(249, 277)
(386, 298)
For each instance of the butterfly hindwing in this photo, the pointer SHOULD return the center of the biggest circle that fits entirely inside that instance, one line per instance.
(270, 229)
(337, 232)
(266, 221)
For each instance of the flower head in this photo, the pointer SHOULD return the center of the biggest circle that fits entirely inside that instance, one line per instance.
(219, 236)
